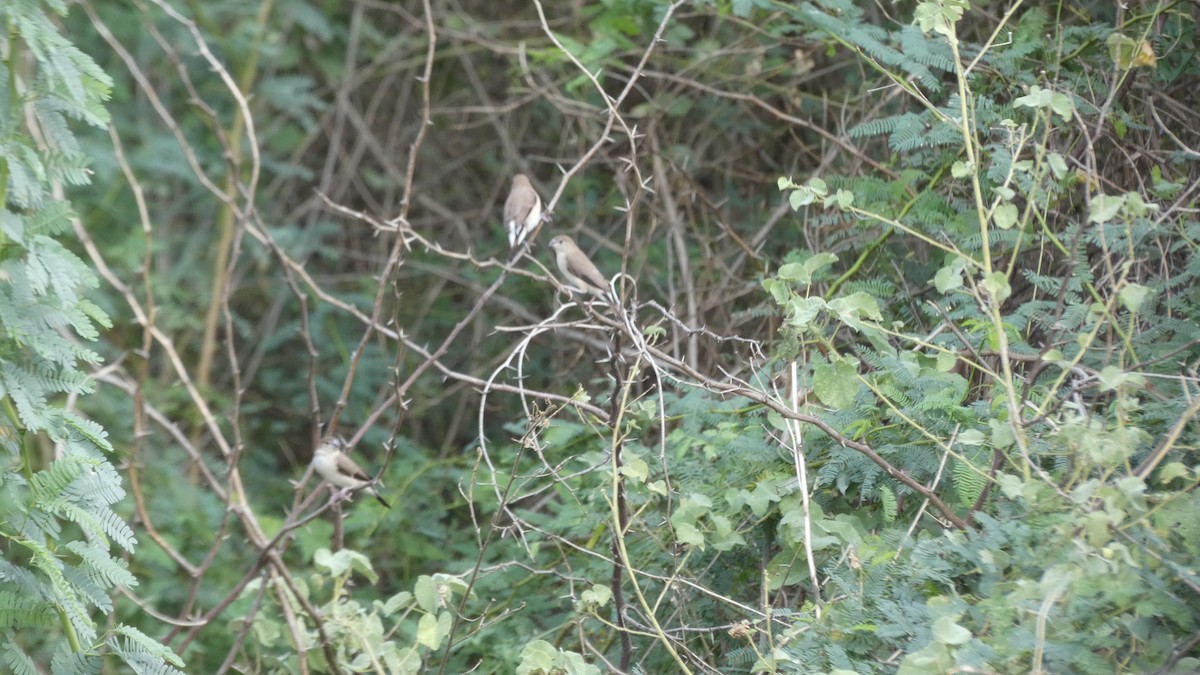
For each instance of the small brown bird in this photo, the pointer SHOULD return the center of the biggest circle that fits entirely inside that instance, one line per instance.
(522, 210)
(578, 270)
(340, 471)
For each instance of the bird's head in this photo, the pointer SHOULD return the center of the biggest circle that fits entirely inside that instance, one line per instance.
(561, 243)
(331, 445)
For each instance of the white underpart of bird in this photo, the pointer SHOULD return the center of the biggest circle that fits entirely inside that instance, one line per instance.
(331, 462)
(522, 210)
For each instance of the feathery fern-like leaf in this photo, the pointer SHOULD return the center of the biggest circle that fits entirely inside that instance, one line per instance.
(967, 481)
(17, 660)
(136, 639)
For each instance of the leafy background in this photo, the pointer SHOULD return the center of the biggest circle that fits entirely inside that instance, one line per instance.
(905, 377)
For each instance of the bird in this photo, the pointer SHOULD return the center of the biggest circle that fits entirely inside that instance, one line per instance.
(340, 471)
(522, 211)
(579, 271)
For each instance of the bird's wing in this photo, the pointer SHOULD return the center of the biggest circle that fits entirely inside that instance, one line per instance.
(520, 202)
(348, 467)
(583, 268)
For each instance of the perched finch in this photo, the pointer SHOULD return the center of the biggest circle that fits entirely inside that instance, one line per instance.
(579, 272)
(522, 211)
(340, 471)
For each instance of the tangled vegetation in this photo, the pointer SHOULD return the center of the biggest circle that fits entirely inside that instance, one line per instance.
(904, 376)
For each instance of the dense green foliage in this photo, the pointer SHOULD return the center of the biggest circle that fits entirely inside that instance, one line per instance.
(905, 380)
(59, 485)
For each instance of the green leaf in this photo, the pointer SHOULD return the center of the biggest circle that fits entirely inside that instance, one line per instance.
(802, 195)
(971, 438)
(939, 17)
(1005, 216)
(406, 661)
(765, 493)
(1095, 528)
(344, 561)
(1172, 471)
(799, 198)
(431, 630)
(801, 311)
(996, 284)
(845, 199)
(850, 309)
(1112, 378)
(686, 533)
(932, 658)
(888, 499)
(1036, 98)
(818, 263)
(1105, 207)
(724, 536)
(1058, 165)
(1010, 485)
(596, 597)
(1002, 434)
(396, 603)
(1059, 104)
(946, 631)
(1062, 105)
(1138, 207)
(967, 480)
(1134, 490)
(1133, 296)
(687, 514)
(946, 361)
(836, 384)
(635, 468)
(950, 277)
(537, 657)
(802, 272)
(151, 646)
(843, 530)
(1128, 53)
(780, 292)
(426, 592)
